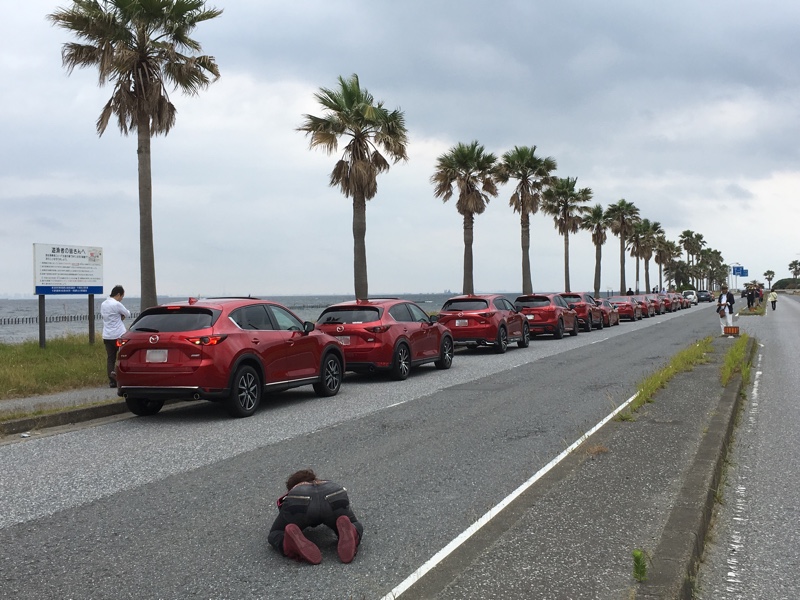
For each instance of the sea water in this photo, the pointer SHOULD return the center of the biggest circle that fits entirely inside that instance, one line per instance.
(59, 309)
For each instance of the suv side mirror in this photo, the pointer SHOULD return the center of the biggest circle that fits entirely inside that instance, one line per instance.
(308, 326)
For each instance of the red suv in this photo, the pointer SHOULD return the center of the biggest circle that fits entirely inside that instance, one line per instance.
(628, 307)
(387, 334)
(548, 313)
(231, 350)
(485, 320)
(589, 314)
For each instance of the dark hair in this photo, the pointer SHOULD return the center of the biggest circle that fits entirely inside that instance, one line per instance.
(299, 477)
(117, 289)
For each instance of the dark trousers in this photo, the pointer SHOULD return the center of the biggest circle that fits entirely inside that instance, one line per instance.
(111, 359)
(774, 302)
(312, 505)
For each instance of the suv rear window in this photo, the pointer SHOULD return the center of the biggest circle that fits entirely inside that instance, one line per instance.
(349, 315)
(534, 302)
(187, 318)
(571, 298)
(471, 304)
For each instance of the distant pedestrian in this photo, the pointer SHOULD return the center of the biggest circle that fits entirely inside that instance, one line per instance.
(773, 298)
(629, 292)
(725, 303)
(751, 297)
(760, 295)
(113, 313)
(309, 502)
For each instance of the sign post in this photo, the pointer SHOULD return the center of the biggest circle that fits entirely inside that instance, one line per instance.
(64, 269)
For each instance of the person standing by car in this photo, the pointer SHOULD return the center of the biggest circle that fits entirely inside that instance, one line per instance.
(309, 502)
(725, 308)
(113, 313)
(773, 298)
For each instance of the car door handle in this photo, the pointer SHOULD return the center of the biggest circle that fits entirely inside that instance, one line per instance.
(255, 340)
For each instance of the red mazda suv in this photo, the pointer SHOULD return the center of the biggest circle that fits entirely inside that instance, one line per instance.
(628, 307)
(229, 350)
(548, 313)
(387, 334)
(589, 315)
(485, 320)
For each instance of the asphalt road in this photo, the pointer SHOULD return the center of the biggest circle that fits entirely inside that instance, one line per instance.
(178, 506)
(754, 551)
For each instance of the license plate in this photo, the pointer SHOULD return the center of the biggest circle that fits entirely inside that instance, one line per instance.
(530, 317)
(462, 322)
(156, 356)
(344, 340)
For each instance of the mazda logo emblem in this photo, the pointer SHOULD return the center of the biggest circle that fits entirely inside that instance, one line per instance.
(153, 339)
(340, 329)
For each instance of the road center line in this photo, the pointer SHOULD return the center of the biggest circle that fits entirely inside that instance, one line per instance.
(477, 525)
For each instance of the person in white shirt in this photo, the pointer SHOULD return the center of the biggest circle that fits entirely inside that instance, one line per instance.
(113, 312)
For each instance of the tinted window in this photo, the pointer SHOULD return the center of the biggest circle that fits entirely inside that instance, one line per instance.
(418, 314)
(180, 319)
(401, 313)
(503, 304)
(349, 315)
(286, 320)
(533, 302)
(466, 304)
(252, 318)
(572, 298)
(560, 301)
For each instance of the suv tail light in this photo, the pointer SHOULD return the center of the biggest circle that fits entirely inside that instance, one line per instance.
(378, 329)
(206, 340)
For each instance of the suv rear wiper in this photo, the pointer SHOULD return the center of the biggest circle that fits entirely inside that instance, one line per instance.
(147, 329)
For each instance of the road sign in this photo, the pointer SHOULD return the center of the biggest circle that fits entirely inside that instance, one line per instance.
(743, 272)
(737, 270)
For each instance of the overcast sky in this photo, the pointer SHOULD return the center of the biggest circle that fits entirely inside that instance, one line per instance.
(690, 110)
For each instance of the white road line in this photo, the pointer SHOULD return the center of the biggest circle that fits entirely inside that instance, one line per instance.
(476, 526)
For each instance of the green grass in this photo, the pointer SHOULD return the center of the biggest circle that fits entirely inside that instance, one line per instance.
(65, 363)
(685, 360)
(757, 311)
(736, 361)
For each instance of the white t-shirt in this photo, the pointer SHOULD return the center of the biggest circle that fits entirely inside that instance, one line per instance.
(112, 312)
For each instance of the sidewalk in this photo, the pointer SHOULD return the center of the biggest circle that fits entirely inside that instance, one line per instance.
(648, 484)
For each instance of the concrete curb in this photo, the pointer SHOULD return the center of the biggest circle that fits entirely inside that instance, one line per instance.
(677, 556)
(62, 417)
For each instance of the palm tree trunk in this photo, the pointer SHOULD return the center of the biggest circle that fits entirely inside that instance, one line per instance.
(525, 227)
(360, 246)
(637, 274)
(598, 255)
(147, 265)
(622, 289)
(468, 287)
(647, 274)
(566, 262)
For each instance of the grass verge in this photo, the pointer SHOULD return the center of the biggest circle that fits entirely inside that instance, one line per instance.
(66, 363)
(685, 360)
(736, 361)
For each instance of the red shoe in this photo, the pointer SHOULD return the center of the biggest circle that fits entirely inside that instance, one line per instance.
(348, 539)
(299, 547)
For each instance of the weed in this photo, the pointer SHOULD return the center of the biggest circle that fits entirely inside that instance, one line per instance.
(640, 565)
(596, 449)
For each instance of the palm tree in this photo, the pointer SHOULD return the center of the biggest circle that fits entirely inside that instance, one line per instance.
(533, 174)
(794, 267)
(686, 241)
(351, 112)
(769, 276)
(565, 204)
(597, 222)
(665, 252)
(138, 45)
(623, 215)
(650, 232)
(471, 169)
